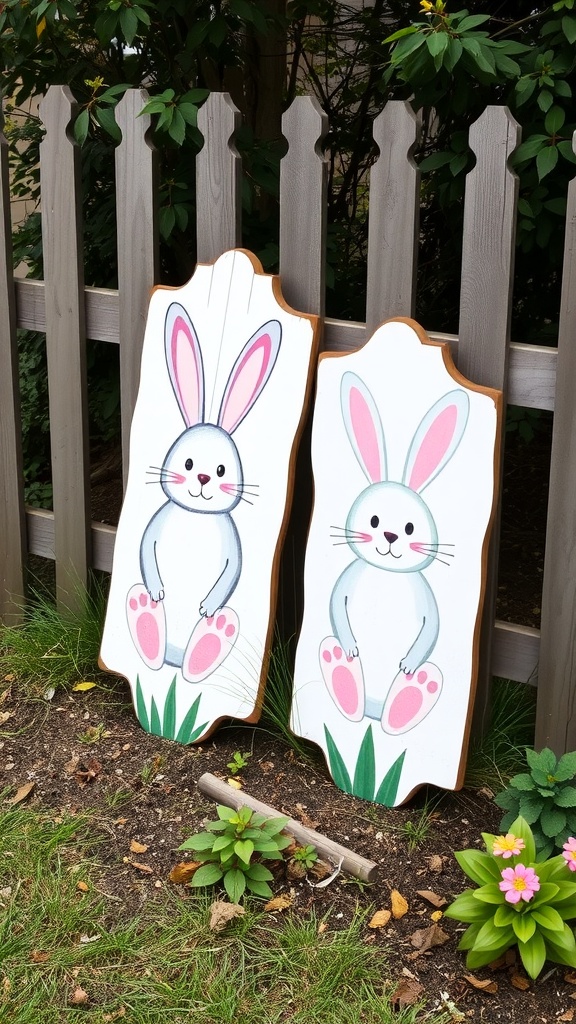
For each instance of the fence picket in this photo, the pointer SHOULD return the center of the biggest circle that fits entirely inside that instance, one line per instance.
(137, 238)
(65, 344)
(556, 714)
(12, 525)
(485, 310)
(218, 179)
(393, 216)
(303, 182)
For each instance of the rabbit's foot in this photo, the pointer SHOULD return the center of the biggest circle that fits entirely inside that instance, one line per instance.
(212, 639)
(343, 678)
(411, 697)
(147, 625)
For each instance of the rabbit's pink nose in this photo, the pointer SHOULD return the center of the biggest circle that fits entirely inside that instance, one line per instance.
(203, 478)
(390, 537)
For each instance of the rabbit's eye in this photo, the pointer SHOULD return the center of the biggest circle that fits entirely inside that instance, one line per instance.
(220, 470)
(188, 464)
(409, 528)
(374, 522)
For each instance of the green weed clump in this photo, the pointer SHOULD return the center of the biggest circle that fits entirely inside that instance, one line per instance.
(545, 797)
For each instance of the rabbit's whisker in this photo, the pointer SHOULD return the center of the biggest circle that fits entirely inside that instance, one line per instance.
(437, 551)
(357, 540)
(242, 498)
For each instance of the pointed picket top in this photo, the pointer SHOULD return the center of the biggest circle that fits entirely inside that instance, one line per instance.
(555, 723)
(218, 179)
(12, 526)
(303, 215)
(137, 241)
(393, 216)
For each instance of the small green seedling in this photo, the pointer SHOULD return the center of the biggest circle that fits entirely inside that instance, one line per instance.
(239, 761)
(306, 855)
(93, 734)
(232, 849)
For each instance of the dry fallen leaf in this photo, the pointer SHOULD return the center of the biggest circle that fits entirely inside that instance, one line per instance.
(320, 870)
(235, 783)
(570, 977)
(39, 956)
(87, 772)
(435, 863)
(485, 986)
(182, 872)
(136, 847)
(322, 927)
(520, 982)
(115, 1015)
(5, 715)
(406, 993)
(82, 886)
(436, 915)
(22, 793)
(431, 897)
(278, 903)
(380, 919)
(569, 1015)
(399, 904)
(305, 818)
(79, 997)
(83, 687)
(139, 867)
(221, 913)
(424, 938)
(6, 985)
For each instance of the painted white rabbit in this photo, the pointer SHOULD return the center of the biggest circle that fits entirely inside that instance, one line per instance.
(383, 611)
(190, 552)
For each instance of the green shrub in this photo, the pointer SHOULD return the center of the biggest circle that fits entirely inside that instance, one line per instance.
(545, 797)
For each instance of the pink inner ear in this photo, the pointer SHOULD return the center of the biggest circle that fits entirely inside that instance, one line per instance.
(365, 434)
(246, 383)
(186, 378)
(434, 446)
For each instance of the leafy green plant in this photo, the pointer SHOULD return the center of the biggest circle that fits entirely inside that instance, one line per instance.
(151, 721)
(364, 782)
(232, 847)
(305, 855)
(238, 762)
(545, 797)
(519, 902)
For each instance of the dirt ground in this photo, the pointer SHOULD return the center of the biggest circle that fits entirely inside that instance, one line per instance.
(87, 751)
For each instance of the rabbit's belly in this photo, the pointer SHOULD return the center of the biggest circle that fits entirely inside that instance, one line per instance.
(384, 615)
(191, 558)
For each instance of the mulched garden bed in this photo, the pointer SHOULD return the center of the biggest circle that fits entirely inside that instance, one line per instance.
(143, 789)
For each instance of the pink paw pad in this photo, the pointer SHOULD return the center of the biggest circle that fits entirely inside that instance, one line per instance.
(411, 697)
(147, 625)
(343, 677)
(211, 642)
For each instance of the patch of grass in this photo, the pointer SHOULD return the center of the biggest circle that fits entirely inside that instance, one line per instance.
(165, 966)
(500, 754)
(51, 649)
(278, 699)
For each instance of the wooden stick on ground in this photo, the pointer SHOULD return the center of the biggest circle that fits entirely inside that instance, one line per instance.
(352, 863)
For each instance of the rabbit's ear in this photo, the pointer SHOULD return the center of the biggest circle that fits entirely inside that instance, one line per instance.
(249, 375)
(184, 359)
(363, 426)
(436, 439)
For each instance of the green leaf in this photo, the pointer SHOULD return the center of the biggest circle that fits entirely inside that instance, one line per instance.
(406, 47)
(545, 100)
(569, 28)
(562, 88)
(508, 800)
(234, 883)
(258, 873)
(188, 722)
(490, 938)
(244, 848)
(476, 958)
(81, 125)
(401, 33)
(222, 842)
(472, 21)
(523, 782)
(489, 893)
(200, 841)
(504, 916)
(546, 892)
(567, 151)
(566, 768)
(141, 711)
(530, 808)
(533, 954)
(272, 826)
(169, 719)
(467, 909)
(553, 122)
(434, 161)
(563, 940)
(177, 128)
(524, 926)
(189, 112)
(521, 829)
(469, 937)
(479, 866)
(566, 797)
(107, 121)
(365, 774)
(524, 89)
(155, 725)
(338, 769)
(437, 43)
(208, 874)
(506, 65)
(258, 888)
(388, 788)
(548, 917)
(545, 761)
(552, 820)
(452, 54)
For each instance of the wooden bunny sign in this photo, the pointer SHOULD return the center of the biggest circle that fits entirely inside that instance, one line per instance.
(225, 374)
(404, 454)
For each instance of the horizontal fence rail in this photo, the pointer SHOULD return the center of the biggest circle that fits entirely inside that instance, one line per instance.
(482, 348)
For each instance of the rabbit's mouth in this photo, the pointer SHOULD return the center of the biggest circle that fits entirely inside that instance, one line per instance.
(389, 552)
(207, 497)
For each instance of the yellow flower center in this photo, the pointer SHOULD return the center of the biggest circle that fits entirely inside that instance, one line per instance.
(520, 884)
(572, 854)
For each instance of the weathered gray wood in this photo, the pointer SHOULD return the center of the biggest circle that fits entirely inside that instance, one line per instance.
(394, 215)
(556, 711)
(485, 311)
(101, 305)
(352, 863)
(515, 652)
(40, 529)
(303, 210)
(137, 237)
(218, 179)
(65, 343)
(12, 529)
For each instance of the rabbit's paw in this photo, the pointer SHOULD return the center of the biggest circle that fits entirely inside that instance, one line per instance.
(342, 674)
(212, 640)
(147, 625)
(411, 697)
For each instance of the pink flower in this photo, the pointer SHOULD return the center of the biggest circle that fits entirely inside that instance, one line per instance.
(570, 853)
(519, 883)
(507, 846)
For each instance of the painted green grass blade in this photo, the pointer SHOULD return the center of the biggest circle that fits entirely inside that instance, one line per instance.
(155, 725)
(187, 733)
(169, 719)
(388, 788)
(338, 769)
(141, 711)
(365, 774)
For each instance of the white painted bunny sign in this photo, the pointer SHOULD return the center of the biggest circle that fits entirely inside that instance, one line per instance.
(404, 452)
(224, 379)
